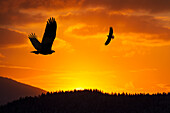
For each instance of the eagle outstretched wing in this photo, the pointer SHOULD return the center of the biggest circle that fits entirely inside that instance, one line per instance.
(108, 41)
(34, 41)
(111, 31)
(49, 34)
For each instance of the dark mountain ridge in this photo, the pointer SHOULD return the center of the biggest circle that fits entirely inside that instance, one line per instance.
(90, 101)
(11, 90)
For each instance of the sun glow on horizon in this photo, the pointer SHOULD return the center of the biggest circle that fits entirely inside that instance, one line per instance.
(79, 88)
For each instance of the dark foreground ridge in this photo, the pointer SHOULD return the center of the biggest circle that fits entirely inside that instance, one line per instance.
(90, 101)
(11, 90)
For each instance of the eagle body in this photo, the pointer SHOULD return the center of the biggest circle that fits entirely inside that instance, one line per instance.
(110, 36)
(48, 38)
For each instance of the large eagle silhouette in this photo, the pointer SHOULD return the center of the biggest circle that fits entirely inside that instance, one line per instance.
(110, 36)
(49, 35)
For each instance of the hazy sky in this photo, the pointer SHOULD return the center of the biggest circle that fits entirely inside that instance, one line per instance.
(137, 60)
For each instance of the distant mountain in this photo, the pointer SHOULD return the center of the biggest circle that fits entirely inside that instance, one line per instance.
(11, 90)
(90, 101)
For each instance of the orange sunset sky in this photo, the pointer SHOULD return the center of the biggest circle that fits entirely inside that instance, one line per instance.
(137, 60)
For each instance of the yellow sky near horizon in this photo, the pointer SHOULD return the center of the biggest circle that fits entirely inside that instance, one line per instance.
(137, 60)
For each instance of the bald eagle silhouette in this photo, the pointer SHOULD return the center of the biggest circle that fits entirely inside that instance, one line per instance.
(110, 36)
(49, 35)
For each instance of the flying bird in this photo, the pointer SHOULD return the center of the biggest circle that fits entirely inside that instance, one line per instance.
(47, 41)
(110, 36)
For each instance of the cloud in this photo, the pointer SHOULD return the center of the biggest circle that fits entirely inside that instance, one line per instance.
(94, 16)
(145, 69)
(123, 23)
(17, 67)
(145, 39)
(11, 38)
(25, 68)
(146, 5)
(11, 10)
(17, 18)
(11, 14)
(62, 44)
(1, 55)
(164, 87)
(95, 22)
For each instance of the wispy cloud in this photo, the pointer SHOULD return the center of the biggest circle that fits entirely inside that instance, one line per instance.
(1, 55)
(142, 39)
(145, 69)
(17, 67)
(87, 19)
(164, 87)
(60, 43)
(29, 68)
(143, 28)
(10, 38)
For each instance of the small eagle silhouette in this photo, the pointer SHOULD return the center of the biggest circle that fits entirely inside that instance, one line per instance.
(110, 36)
(49, 35)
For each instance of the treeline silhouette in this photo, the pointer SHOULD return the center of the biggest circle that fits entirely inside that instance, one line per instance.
(90, 101)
